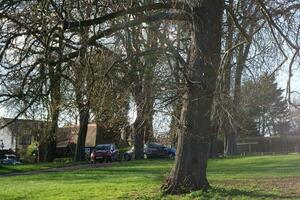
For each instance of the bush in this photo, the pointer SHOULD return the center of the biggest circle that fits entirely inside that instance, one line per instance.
(28, 155)
(63, 160)
(124, 150)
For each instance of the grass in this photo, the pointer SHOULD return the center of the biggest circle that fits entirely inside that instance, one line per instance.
(6, 169)
(235, 178)
(255, 167)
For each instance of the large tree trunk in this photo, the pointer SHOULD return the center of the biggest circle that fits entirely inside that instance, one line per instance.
(148, 129)
(143, 128)
(136, 90)
(84, 116)
(243, 52)
(175, 123)
(148, 109)
(138, 138)
(50, 151)
(189, 172)
(213, 146)
(139, 123)
(55, 73)
(55, 100)
(230, 136)
(148, 83)
(230, 144)
(226, 129)
(82, 85)
(177, 104)
(143, 92)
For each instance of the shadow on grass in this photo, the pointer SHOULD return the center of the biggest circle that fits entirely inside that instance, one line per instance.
(7, 170)
(212, 193)
(102, 175)
(233, 192)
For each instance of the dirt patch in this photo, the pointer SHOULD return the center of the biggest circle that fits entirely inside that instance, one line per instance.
(287, 187)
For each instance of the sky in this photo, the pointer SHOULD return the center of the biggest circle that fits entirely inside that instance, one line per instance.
(161, 119)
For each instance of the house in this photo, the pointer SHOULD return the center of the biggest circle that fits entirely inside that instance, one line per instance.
(68, 135)
(7, 139)
(66, 139)
(95, 135)
(20, 133)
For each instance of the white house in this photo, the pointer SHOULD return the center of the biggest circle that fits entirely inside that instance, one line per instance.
(20, 133)
(7, 138)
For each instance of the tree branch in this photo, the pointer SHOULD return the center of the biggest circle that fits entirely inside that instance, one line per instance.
(150, 7)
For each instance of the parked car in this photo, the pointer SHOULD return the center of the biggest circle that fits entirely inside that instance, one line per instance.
(9, 159)
(128, 155)
(105, 152)
(153, 150)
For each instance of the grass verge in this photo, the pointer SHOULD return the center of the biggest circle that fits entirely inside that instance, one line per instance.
(259, 177)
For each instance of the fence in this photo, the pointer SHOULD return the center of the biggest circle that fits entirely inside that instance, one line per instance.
(269, 145)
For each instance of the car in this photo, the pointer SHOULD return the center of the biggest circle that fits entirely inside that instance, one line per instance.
(153, 150)
(105, 152)
(9, 159)
(128, 155)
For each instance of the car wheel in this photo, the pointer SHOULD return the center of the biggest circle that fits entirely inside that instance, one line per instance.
(119, 158)
(112, 159)
(127, 157)
(145, 156)
(108, 159)
(171, 156)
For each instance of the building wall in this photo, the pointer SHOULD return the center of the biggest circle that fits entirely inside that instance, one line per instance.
(8, 140)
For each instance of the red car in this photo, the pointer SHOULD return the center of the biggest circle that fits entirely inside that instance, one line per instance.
(105, 152)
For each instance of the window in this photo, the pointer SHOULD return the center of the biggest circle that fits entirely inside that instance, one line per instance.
(10, 157)
(25, 140)
(103, 147)
(155, 145)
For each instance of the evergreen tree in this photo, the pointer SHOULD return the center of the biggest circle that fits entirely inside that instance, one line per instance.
(264, 107)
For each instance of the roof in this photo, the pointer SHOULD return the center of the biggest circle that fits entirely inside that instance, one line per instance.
(21, 125)
(91, 135)
(68, 135)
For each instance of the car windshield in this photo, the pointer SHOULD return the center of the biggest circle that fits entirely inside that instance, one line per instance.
(155, 145)
(10, 157)
(103, 147)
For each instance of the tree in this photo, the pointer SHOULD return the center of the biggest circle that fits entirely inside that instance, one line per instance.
(113, 22)
(34, 39)
(109, 97)
(189, 172)
(264, 104)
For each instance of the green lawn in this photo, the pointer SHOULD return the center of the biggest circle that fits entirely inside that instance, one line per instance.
(261, 177)
(6, 169)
